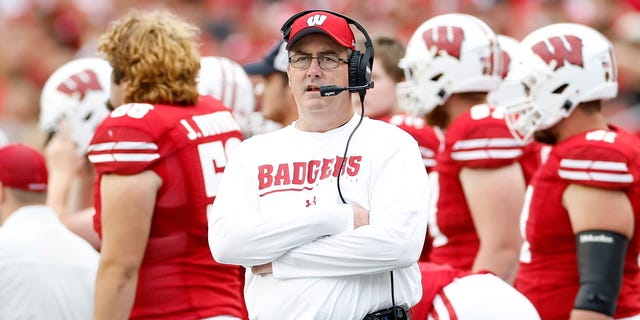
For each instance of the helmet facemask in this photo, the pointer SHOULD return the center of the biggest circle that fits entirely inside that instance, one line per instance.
(425, 86)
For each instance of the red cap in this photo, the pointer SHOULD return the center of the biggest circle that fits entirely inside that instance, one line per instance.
(22, 167)
(324, 22)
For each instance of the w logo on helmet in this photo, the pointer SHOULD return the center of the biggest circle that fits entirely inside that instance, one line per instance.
(316, 20)
(561, 53)
(506, 60)
(80, 83)
(449, 43)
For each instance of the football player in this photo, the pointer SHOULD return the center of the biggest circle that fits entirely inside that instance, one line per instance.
(158, 159)
(73, 102)
(452, 62)
(581, 218)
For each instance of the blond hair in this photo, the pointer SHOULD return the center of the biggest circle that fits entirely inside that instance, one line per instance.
(157, 54)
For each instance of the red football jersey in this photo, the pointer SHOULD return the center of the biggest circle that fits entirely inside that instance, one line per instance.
(430, 139)
(479, 138)
(186, 146)
(548, 272)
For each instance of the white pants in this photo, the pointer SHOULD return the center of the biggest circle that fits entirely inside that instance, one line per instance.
(482, 297)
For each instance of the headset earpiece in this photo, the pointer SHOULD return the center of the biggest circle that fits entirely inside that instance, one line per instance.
(360, 64)
(359, 71)
(354, 70)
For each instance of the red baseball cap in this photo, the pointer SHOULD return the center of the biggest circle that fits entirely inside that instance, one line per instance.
(22, 167)
(334, 26)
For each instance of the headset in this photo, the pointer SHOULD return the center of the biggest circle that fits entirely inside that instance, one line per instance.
(360, 64)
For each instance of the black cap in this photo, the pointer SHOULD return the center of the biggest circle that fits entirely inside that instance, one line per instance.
(275, 60)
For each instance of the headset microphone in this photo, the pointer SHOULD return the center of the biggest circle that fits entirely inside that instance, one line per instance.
(332, 90)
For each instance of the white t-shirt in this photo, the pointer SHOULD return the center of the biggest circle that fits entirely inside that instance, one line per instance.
(46, 271)
(278, 202)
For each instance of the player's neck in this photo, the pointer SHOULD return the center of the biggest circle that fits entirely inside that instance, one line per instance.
(579, 122)
(457, 105)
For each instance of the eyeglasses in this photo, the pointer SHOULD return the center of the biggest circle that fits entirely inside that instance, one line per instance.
(327, 61)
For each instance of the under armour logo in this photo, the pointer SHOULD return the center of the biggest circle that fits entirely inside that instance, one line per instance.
(316, 20)
(311, 202)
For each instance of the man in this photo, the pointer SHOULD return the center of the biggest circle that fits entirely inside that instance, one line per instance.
(452, 61)
(73, 102)
(158, 159)
(277, 103)
(323, 209)
(46, 271)
(581, 218)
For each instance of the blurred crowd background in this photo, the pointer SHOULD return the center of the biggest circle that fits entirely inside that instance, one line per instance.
(38, 36)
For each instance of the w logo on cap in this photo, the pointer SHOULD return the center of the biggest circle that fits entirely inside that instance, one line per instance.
(316, 20)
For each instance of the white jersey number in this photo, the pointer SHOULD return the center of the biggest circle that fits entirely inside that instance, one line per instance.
(601, 135)
(525, 251)
(439, 239)
(132, 110)
(482, 111)
(213, 159)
